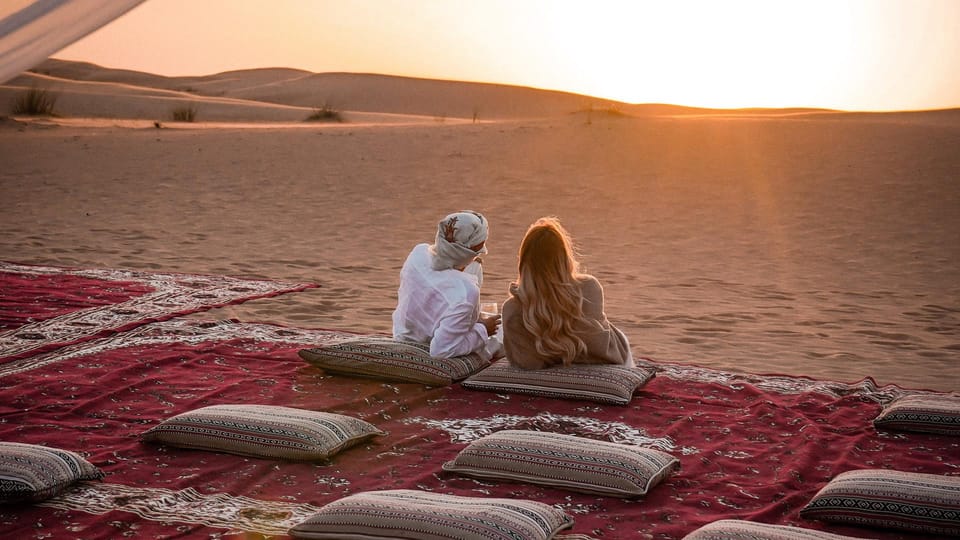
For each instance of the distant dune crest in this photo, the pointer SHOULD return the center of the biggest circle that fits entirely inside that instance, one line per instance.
(291, 95)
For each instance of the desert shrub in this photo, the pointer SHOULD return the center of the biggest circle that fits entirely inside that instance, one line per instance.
(325, 113)
(614, 110)
(35, 102)
(185, 114)
(609, 110)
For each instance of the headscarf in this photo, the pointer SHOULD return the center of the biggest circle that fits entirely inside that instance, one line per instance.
(456, 234)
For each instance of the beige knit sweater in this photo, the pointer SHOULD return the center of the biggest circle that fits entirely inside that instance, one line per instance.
(605, 344)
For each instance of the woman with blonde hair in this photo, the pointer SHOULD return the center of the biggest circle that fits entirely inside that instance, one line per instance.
(555, 313)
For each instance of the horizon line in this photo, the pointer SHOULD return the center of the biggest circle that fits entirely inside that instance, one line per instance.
(608, 101)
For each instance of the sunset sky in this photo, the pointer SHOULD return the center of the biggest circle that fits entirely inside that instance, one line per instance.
(840, 54)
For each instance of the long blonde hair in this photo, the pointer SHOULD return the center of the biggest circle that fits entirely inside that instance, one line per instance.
(551, 300)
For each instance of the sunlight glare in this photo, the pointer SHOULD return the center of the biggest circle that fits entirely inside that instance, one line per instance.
(745, 53)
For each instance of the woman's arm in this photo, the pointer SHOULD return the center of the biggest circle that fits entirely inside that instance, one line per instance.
(605, 344)
(517, 341)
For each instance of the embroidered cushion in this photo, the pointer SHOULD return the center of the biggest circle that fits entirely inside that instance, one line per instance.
(608, 384)
(924, 413)
(32, 473)
(386, 358)
(264, 431)
(564, 461)
(416, 515)
(915, 502)
(735, 529)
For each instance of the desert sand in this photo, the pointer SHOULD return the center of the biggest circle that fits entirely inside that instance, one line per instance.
(813, 243)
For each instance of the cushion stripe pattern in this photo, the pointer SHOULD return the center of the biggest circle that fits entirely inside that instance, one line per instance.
(735, 529)
(564, 461)
(32, 473)
(609, 384)
(922, 413)
(266, 431)
(416, 515)
(908, 501)
(385, 358)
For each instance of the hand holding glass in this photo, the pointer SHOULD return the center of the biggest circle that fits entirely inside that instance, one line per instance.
(491, 309)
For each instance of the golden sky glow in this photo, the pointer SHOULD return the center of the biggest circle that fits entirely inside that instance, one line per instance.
(840, 54)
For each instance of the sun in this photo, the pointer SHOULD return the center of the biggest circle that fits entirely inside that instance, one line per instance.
(714, 54)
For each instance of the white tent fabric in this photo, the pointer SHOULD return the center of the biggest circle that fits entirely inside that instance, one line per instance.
(32, 30)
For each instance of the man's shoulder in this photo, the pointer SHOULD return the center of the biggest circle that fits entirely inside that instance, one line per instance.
(456, 286)
(419, 256)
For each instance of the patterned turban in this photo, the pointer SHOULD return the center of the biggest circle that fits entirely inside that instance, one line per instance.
(456, 233)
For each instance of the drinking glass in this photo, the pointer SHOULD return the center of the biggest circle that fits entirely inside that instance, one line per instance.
(489, 308)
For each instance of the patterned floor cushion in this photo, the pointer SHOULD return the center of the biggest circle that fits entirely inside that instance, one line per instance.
(735, 529)
(418, 515)
(607, 384)
(264, 431)
(915, 502)
(926, 413)
(564, 461)
(32, 473)
(385, 358)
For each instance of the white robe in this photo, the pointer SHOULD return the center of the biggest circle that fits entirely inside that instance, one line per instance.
(440, 307)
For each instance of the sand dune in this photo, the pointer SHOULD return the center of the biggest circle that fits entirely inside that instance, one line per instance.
(807, 242)
(291, 90)
(98, 99)
(290, 95)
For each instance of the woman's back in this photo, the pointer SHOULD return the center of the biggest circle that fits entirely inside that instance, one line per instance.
(604, 343)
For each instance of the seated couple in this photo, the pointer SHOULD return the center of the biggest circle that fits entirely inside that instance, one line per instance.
(554, 314)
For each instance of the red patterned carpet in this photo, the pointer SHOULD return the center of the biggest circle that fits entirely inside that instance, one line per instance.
(750, 447)
(43, 307)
